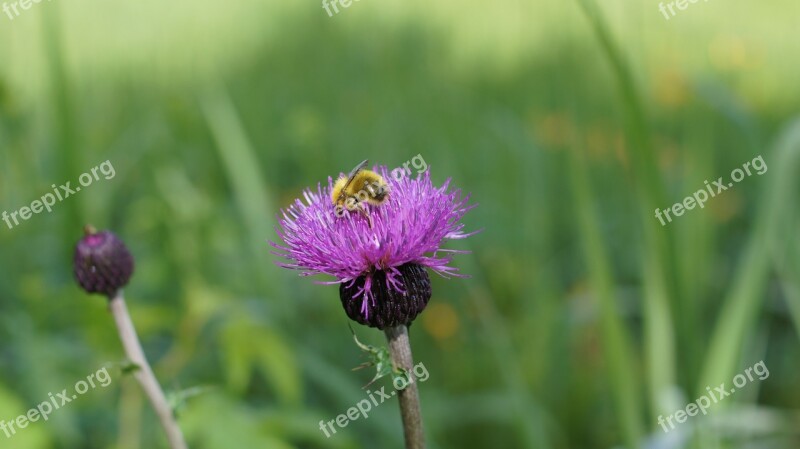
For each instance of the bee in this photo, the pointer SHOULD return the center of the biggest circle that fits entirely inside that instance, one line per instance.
(359, 188)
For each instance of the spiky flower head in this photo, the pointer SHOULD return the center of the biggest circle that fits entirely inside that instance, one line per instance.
(379, 261)
(102, 262)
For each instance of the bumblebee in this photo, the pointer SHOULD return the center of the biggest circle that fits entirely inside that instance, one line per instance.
(359, 188)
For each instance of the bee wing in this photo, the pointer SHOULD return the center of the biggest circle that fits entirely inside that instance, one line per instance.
(353, 174)
(358, 168)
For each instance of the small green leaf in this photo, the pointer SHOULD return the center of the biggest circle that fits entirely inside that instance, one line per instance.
(125, 367)
(178, 399)
(381, 359)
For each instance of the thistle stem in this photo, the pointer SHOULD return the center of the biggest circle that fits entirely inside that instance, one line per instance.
(144, 373)
(400, 349)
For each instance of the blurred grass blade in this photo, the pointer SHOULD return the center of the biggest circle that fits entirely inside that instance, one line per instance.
(616, 341)
(786, 257)
(791, 287)
(787, 261)
(739, 313)
(249, 189)
(656, 256)
(66, 150)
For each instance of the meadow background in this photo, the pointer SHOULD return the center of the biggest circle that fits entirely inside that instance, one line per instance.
(569, 122)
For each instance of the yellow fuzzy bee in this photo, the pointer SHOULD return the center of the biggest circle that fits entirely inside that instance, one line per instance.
(361, 187)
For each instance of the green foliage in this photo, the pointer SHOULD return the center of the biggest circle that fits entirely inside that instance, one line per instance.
(34, 436)
(583, 319)
(247, 347)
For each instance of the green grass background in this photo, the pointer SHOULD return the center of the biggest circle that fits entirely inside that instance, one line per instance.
(569, 122)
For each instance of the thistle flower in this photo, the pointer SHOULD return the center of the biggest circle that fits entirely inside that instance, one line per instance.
(379, 262)
(102, 262)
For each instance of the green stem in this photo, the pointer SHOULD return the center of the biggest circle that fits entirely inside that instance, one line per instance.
(400, 348)
(144, 373)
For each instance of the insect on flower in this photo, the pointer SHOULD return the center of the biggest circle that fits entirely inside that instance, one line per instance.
(361, 187)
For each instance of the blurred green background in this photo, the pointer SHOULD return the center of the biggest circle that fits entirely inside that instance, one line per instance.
(569, 122)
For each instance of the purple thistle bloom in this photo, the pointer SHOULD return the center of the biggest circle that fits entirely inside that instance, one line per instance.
(407, 230)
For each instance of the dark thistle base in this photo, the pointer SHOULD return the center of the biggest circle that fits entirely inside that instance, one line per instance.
(390, 308)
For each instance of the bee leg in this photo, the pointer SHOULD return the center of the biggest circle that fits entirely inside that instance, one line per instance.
(363, 208)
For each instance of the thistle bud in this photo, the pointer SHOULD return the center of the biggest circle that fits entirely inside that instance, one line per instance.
(388, 307)
(102, 263)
